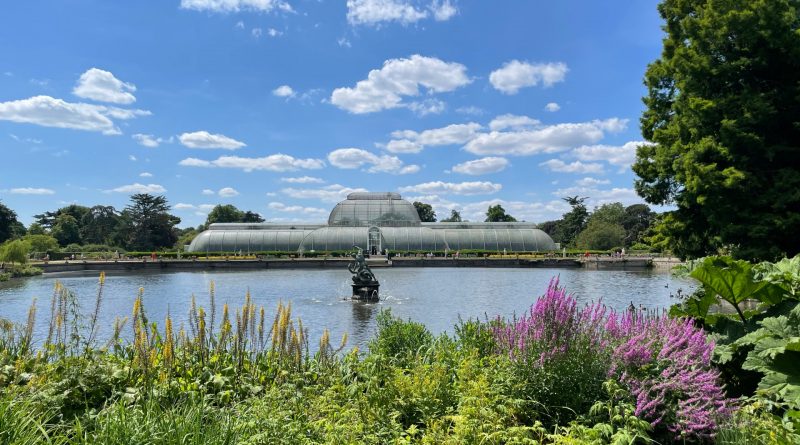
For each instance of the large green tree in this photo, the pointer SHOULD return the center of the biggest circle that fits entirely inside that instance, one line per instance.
(723, 122)
(574, 221)
(99, 224)
(230, 214)
(425, 212)
(66, 230)
(9, 226)
(497, 213)
(151, 225)
(455, 216)
(636, 221)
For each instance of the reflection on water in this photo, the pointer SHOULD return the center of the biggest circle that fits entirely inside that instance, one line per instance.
(433, 296)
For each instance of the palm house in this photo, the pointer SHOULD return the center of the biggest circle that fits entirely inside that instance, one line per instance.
(376, 222)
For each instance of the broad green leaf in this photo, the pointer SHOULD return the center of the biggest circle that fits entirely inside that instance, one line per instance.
(731, 280)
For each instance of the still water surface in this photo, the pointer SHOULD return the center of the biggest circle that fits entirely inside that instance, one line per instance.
(436, 297)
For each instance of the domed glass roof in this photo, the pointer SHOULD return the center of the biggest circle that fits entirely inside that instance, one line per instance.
(374, 209)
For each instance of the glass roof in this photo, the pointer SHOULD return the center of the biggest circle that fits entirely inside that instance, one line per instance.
(374, 209)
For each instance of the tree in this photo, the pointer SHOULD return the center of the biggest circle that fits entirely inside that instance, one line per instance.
(252, 217)
(15, 251)
(36, 229)
(8, 223)
(98, 225)
(454, 216)
(66, 230)
(552, 228)
(574, 221)
(48, 219)
(497, 213)
(41, 243)
(600, 235)
(636, 220)
(722, 114)
(425, 212)
(151, 225)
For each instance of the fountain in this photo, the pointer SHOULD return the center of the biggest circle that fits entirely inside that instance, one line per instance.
(365, 286)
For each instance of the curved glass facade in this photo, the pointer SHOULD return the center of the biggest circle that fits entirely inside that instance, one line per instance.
(375, 222)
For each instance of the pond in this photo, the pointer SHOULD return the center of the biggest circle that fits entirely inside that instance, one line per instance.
(436, 297)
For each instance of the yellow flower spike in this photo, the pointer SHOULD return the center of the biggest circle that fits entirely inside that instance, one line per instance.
(102, 278)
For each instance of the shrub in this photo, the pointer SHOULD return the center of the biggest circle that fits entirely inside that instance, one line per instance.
(398, 338)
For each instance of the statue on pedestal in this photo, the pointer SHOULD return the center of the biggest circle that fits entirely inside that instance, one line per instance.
(365, 286)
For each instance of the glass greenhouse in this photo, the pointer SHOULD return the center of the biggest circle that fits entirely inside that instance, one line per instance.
(375, 222)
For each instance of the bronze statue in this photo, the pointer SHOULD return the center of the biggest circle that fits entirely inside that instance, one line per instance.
(362, 274)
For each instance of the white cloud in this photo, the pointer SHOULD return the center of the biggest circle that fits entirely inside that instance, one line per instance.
(351, 158)
(311, 211)
(599, 197)
(102, 86)
(427, 106)
(51, 112)
(481, 166)
(409, 141)
(200, 210)
(275, 163)
(384, 88)
(31, 191)
(256, 32)
(132, 158)
(272, 32)
(543, 139)
(303, 180)
(331, 193)
(403, 146)
(558, 165)
(443, 10)
(515, 75)
(283, 91)
(552, 107)
(228, 192)
(459, 188)
(239, 25)
(344, 42)
(514, 122)
(476, 211)
(208, 192)
(139, 188)
(591, 182)
(148, 140)
(622, 156)
(183, 206)
(28, 140)
(235, 5)
(145, 175)
(470, 110)
(373, 12)
(204, 139)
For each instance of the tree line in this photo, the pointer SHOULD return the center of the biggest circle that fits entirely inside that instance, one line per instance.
(145, 224)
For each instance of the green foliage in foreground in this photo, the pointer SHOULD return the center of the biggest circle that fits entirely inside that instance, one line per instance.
(241, 376)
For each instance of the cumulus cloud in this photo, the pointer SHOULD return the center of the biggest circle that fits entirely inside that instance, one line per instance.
(31, 191)
(145, 175)
(303, 180)
(552, 107)
(591, 182)
(427, 106)
(311, 211)
(514, 75)
(102, 86)
(204, 139)
(207, 192)
(513, 122)
(454, 188)
(373, 12)
(201, 209)
(352, 158)
(283, 91)
(481, 166)
(385, 88)
(622, 156)
(408, 141)
(542, 139)
(139, 188)
(275, 163)
(228, 192)
(557, 165)
(148, 140)
(443, 10)
(236, 5)
(331, 193)
(51, 112)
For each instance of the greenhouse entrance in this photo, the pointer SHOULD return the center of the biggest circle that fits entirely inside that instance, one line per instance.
(374, 247)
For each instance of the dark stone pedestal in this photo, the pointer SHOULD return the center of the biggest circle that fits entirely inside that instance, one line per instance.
(366, 291)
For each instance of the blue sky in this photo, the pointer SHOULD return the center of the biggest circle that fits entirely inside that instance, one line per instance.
(284, 106)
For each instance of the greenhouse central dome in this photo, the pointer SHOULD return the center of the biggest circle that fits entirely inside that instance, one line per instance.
(376, 222)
